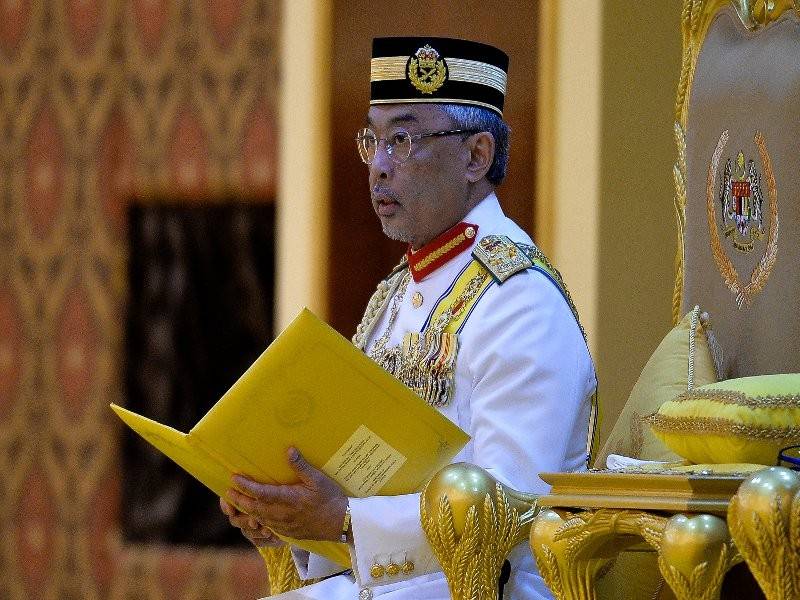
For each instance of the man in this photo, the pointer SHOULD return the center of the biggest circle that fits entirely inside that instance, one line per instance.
(474, 320)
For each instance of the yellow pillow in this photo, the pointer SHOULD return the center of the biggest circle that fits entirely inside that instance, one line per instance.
(745, 420)
(685, 348)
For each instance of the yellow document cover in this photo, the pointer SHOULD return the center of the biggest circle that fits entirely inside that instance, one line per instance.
(314, 390)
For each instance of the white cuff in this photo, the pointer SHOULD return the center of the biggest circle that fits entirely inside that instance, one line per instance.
(387, 531)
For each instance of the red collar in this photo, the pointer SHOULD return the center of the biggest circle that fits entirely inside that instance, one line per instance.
(434, 254)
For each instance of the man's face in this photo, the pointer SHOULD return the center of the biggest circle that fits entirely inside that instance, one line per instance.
(418, 199)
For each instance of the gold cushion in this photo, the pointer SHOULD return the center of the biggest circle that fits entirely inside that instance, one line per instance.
(745, 420)
(664, 376)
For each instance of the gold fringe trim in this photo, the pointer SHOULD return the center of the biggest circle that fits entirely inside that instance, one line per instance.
(534, 254)
(741, 399)
(713, 425)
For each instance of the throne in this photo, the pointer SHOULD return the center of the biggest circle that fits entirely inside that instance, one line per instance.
(737, 175)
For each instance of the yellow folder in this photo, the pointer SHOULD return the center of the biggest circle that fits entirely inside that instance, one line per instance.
(313, 390)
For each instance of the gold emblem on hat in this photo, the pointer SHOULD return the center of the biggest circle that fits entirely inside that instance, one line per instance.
(426, 70)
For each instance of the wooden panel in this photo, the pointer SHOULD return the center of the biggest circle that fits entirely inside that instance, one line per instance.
(360, 254)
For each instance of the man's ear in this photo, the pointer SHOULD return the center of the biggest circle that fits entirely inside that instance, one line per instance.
(481, 147)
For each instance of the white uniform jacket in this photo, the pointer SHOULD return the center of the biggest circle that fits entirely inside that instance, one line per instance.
(523, 383)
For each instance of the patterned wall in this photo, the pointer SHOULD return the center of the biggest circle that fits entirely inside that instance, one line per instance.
(100, 101)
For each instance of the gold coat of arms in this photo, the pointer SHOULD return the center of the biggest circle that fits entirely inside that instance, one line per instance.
(741, 201)
(427, 71)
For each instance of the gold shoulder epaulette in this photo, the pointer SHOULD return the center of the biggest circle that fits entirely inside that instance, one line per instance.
(501, 257)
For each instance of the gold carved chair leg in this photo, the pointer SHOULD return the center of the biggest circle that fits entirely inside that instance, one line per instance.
(281, 569)
(694, 555)
(764, 518)
(572, 549)
(472, 522)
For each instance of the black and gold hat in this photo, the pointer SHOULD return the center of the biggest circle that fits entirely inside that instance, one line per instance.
(422, 69)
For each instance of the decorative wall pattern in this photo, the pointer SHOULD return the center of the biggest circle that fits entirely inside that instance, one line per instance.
(102, 101)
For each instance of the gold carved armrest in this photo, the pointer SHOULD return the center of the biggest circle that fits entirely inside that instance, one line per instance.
(684, 518)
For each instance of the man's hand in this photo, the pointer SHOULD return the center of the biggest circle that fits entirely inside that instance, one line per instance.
(259, 535)
(312, 509)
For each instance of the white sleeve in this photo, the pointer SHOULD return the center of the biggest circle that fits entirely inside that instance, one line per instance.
(312, 566)
(387, 529)
(528, 413)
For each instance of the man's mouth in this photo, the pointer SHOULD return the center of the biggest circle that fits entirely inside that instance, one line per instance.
(385, 204)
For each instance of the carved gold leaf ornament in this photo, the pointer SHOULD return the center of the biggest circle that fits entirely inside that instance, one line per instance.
(695, 554)
(571, 550)
(758, 278)
(472, 522)
(764, 519)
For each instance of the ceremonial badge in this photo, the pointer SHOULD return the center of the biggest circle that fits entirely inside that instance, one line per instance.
(741, 201)
(427, 71)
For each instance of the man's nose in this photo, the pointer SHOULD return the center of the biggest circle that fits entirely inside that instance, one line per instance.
(382, 164)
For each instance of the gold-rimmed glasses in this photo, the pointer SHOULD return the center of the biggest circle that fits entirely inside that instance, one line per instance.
(398, 145)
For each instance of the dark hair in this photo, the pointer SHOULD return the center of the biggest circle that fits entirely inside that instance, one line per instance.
(465, 116)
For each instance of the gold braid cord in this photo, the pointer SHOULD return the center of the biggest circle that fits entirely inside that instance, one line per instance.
(761, 272)
(376, 304)
(690, 26)
(764, 518)
(281, 570)
(571, 550)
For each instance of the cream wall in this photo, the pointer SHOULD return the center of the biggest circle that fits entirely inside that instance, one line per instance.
(604, 197)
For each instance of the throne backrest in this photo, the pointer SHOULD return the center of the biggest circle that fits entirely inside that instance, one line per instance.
(739, 214)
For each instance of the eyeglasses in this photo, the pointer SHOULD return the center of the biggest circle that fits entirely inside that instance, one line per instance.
(398, 145)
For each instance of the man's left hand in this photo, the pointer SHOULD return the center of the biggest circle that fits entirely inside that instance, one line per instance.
(312, 509)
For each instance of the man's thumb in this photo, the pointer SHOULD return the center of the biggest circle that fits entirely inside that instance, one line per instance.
(305, 472)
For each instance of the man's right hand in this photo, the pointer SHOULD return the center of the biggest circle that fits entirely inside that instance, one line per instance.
(260, 535)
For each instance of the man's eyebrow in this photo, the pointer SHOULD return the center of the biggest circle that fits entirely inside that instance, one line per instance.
(404, 118)
(398, 120)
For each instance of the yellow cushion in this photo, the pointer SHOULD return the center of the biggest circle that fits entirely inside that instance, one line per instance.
(664, 376)
(745, 420)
